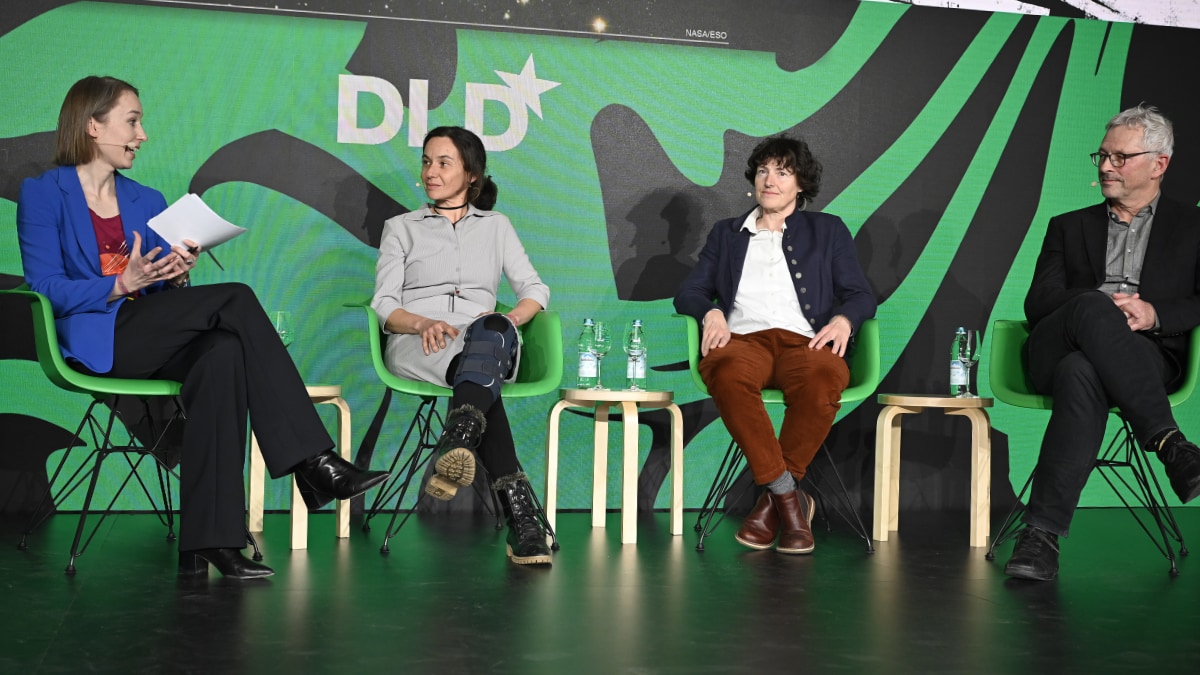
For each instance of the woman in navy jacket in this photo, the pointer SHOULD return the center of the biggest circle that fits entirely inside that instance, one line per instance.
(123, 307)
(779, 293)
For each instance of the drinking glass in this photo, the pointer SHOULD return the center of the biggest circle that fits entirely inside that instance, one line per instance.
(969, 356)
(283, 326)
(603, 345)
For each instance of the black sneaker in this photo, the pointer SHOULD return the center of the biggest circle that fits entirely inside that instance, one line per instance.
(1035, 555)
(1181, 457)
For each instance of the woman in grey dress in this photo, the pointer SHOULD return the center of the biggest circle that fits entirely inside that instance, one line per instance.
(435, 295)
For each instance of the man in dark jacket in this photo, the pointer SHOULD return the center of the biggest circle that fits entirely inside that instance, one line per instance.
(1115, 292)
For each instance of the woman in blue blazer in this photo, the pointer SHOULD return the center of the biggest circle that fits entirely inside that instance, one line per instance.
(779, 293)
(124, 307)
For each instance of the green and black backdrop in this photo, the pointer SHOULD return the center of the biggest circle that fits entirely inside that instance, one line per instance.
(617, 132)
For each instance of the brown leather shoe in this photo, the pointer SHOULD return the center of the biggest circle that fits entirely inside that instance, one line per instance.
(759, 528)
(795, 517)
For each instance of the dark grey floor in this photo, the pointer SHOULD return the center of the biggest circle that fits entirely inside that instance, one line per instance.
(447, 601)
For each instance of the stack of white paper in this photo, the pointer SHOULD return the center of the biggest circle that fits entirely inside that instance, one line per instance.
(191, 219)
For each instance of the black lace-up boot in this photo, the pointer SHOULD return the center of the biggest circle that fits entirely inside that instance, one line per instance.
(1182, 460)
(526, 536)
(1035, 555)
(455, 466)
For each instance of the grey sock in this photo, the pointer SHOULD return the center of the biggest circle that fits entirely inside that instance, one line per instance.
(782, 485)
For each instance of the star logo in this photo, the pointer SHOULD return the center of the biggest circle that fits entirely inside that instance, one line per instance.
(527, 87)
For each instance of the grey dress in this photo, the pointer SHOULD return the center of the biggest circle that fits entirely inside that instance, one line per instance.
(446, 272)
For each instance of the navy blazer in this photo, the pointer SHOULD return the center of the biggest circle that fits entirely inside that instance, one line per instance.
(1073, 257)
(61, 257)
(820, 255)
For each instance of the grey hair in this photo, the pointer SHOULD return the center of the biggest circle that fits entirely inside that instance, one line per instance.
(1157, 133)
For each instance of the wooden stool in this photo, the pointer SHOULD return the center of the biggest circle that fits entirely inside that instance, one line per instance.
(887, 459)
(332, 394)
(602, 401)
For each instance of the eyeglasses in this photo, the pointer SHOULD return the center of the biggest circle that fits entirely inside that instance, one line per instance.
(1117, 159)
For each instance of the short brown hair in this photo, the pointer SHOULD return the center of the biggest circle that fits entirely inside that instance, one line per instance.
(792, 154)
(93, 97)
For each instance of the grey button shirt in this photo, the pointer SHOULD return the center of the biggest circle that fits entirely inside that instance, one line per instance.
(1126, 250)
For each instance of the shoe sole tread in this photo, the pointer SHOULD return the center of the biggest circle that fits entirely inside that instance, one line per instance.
(539, 559)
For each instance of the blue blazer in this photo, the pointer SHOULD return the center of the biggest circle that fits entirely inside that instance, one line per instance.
(820, 254)
(62, 258)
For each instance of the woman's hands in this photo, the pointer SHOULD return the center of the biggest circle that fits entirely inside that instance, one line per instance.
(433, 334)
(716, 332)
(188, 254)
(836, 333)
(147, 269)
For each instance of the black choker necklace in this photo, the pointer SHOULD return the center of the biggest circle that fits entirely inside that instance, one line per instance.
(449, 208)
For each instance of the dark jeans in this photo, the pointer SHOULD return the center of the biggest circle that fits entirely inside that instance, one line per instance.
(219, 343)
(1086, 357)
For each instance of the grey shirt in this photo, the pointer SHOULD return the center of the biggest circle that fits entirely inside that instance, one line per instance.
(448, 272)
(1126, 250)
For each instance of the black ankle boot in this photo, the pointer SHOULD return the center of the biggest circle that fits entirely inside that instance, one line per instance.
(526, 537)
(326, 477)
(228, 561)
(1181, 458)
(455, 466)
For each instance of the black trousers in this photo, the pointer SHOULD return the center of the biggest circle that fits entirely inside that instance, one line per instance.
(1086, 357)
(219, 343)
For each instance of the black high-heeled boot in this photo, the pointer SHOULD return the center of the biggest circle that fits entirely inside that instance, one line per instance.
(326, 477)
(228, 561)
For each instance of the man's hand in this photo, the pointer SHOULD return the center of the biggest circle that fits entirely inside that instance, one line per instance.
(1139, 314)
(716, 332)
(836, 333)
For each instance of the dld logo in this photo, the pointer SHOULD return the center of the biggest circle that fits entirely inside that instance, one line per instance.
(520, 93)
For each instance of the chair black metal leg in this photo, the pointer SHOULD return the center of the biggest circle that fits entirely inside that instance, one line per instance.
(1009, 529)
(87, 502)
(1123, 452)
(714, 490)
(39, 515)
(422, 424)
(416, 464)
(727, 473)
(1145, 492)
(844, 497)
(101, 437)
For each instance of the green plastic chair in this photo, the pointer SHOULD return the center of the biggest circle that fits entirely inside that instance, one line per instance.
(55, 367)
(540, 373)
(1009, 378)
(864, 378)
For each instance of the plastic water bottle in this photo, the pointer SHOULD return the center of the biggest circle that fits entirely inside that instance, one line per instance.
(588, 372)
(959, 384)
(635, 366)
